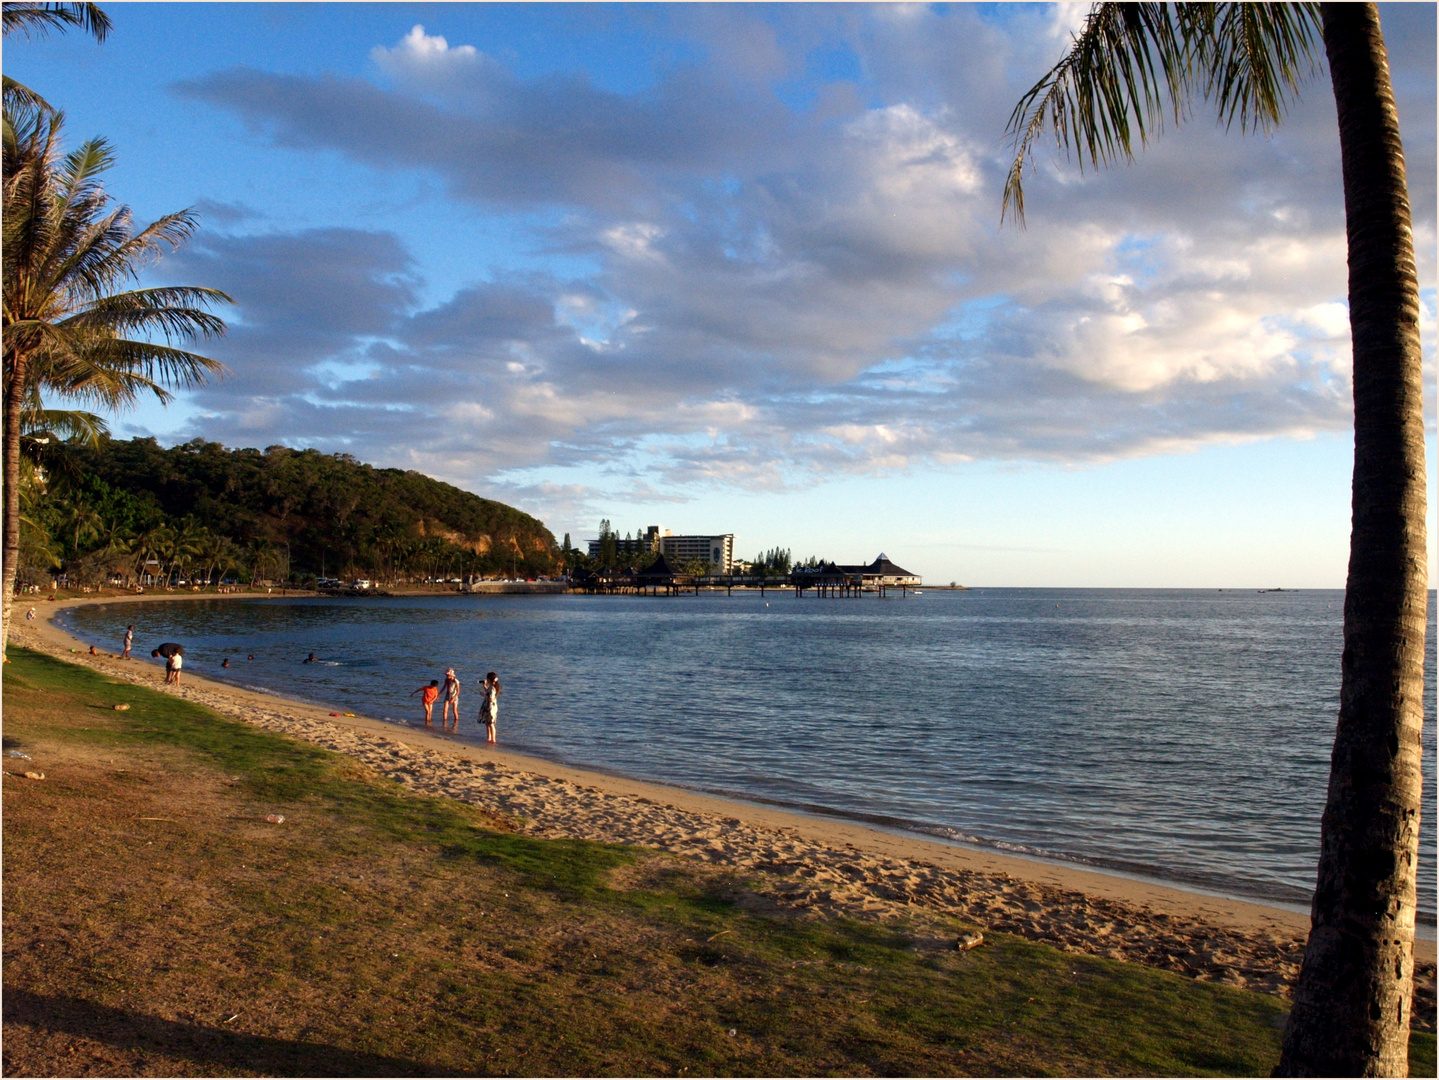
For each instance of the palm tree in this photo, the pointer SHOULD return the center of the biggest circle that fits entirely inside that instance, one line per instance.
(1129, 66)
(149, 545)
(229, 557)
(67, 329)
(81, 521)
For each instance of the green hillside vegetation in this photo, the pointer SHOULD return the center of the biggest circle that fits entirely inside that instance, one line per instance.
(118, 509)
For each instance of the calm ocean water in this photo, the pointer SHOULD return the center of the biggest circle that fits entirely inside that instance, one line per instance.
(1181, 735)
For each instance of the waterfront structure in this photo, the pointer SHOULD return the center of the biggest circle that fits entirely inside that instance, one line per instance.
(883, 572)
(831, 579)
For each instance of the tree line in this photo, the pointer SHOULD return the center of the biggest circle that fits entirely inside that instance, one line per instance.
(127, 511)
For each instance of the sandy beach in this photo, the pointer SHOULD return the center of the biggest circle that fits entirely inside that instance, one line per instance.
(805, 864)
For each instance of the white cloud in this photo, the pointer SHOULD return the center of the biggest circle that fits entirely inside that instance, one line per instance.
(421, 55)
(769, 295)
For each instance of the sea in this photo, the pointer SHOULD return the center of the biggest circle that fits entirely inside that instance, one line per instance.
(1181, 736)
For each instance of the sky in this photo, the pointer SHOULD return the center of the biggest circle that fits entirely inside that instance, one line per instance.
(741, 269)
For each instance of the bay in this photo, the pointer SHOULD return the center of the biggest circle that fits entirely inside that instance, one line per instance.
(1183, 735)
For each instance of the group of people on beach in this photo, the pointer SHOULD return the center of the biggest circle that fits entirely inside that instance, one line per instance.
(450, 692)
(174, 656)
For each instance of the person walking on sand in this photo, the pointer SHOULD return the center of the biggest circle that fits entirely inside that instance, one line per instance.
(428, 694)
(451, 693)
(129, 640)
(490, 705)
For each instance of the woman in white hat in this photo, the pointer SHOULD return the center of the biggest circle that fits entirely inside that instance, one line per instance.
(450, 694)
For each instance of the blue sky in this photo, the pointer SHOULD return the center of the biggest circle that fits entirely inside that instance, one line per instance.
(739, 268)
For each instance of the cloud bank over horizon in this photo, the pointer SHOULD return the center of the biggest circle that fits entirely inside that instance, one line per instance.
(779, 260)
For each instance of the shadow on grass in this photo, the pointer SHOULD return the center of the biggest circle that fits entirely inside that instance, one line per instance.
(199, 1043)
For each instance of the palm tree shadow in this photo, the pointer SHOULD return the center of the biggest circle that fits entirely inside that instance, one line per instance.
(203, 1044)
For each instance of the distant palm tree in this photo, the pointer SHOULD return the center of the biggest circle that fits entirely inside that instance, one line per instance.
(66, 328)
(1129, 67)
(81, 521)
(229, 557)
(150, 546)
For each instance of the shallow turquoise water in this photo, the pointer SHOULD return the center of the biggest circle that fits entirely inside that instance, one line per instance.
(1183, 735)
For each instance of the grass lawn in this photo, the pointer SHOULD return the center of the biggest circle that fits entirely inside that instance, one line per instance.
(156, 924)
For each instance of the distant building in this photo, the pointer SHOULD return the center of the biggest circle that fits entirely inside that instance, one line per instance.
(880, 573)
(884, 572)
(718, 551)
(649, 542)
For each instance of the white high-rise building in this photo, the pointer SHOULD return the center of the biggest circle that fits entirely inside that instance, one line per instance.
(718, 551)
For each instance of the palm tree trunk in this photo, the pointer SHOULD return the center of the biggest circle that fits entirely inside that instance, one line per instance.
(1352, 1000)
(14, 406)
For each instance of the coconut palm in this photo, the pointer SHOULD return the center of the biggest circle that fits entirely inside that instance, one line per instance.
(1131, 67)
(68, 329)
(150, 546)
(82, 522)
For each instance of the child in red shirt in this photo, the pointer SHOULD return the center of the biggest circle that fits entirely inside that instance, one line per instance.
(428, 696)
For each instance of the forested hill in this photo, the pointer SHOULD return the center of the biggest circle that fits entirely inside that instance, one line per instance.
(327, 512)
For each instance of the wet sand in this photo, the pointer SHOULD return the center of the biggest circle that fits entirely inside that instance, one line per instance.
(799, 862)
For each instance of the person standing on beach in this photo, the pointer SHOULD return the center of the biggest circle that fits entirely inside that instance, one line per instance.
(451, 693)
(129, 640)
(428, 694)
(490, 705)
(168, 649)
(173, 663)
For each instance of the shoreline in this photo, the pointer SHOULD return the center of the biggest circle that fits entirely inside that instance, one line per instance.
(538, 762)
(828, 865)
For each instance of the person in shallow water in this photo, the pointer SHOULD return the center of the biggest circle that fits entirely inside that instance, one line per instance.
(428, 694)
(129, 641)
(490, 705)
(225, 662)
(451, 693)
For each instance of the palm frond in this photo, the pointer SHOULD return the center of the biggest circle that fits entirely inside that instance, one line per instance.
(1132, 66)
(173, 311)
(37, 20)
(71, 425)
(1255, 58)
(18, 96)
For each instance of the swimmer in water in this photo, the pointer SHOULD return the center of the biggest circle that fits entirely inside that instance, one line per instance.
(251, 656)
(225, 662)
(312, 658)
